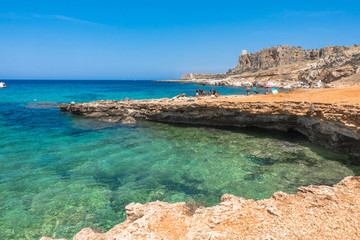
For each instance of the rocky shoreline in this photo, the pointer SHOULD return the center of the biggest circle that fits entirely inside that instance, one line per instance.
(328, 117)
(319, 212)
(335, 126)
(316, 212)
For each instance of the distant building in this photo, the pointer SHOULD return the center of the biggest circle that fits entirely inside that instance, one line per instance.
(243, 52)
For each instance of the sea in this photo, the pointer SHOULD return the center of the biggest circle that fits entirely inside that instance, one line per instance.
(60, 173)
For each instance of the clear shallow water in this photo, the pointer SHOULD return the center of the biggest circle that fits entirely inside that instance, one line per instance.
(61, 173)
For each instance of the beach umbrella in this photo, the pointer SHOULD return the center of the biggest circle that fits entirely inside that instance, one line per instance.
(268, 85)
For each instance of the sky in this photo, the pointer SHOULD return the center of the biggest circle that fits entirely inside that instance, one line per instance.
(158, 39)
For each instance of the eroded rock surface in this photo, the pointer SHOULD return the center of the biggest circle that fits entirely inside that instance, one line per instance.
(283, 55)
(315, 212)
(333, 125)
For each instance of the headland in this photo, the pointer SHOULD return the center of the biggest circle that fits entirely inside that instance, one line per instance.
(288, 67)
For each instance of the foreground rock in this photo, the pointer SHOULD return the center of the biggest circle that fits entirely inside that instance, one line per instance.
(332, 121)
(286, 66)
(315, 212)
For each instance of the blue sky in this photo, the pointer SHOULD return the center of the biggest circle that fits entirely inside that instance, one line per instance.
(81, 39)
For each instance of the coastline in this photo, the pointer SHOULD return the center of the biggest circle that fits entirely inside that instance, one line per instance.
(332, 114)
(242, 84)
(347, 82)
(332, 122)
(252, 133)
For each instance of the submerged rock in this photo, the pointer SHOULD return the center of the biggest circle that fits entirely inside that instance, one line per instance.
(129, 120)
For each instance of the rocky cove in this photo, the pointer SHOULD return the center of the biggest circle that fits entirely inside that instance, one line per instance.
(321, 212)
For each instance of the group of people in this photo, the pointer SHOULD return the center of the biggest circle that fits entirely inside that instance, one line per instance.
(256, 92)
(212, 92)
(254, 89)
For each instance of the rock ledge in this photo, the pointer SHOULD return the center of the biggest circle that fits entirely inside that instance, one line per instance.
(315, 212)
(332, 125)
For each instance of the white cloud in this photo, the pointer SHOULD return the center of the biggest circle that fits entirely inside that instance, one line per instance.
(15, 16)
(64, 18)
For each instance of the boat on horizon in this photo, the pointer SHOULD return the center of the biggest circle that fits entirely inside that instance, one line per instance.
(2, 85)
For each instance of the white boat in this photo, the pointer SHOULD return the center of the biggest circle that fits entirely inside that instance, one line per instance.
(2, 85)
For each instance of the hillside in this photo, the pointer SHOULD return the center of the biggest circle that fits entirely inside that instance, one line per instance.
(285, 66)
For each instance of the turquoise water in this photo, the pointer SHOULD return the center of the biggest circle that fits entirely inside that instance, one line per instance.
(61, 173)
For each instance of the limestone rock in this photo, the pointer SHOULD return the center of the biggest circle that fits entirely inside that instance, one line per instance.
(180, 96)
(315, 212)
(270, 57)
(129, 120)
(286, 66)
(335, 128)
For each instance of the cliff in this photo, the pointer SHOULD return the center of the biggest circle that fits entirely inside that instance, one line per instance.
(334, 125)
(315, 212)
(286, 66)
(282, 55)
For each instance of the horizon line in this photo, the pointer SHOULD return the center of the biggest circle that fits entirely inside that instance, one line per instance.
(29, 79)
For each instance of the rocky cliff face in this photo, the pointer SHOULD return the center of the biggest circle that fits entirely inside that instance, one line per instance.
(315, 212)
(286, 66)
(336, 127)
(282, 55)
